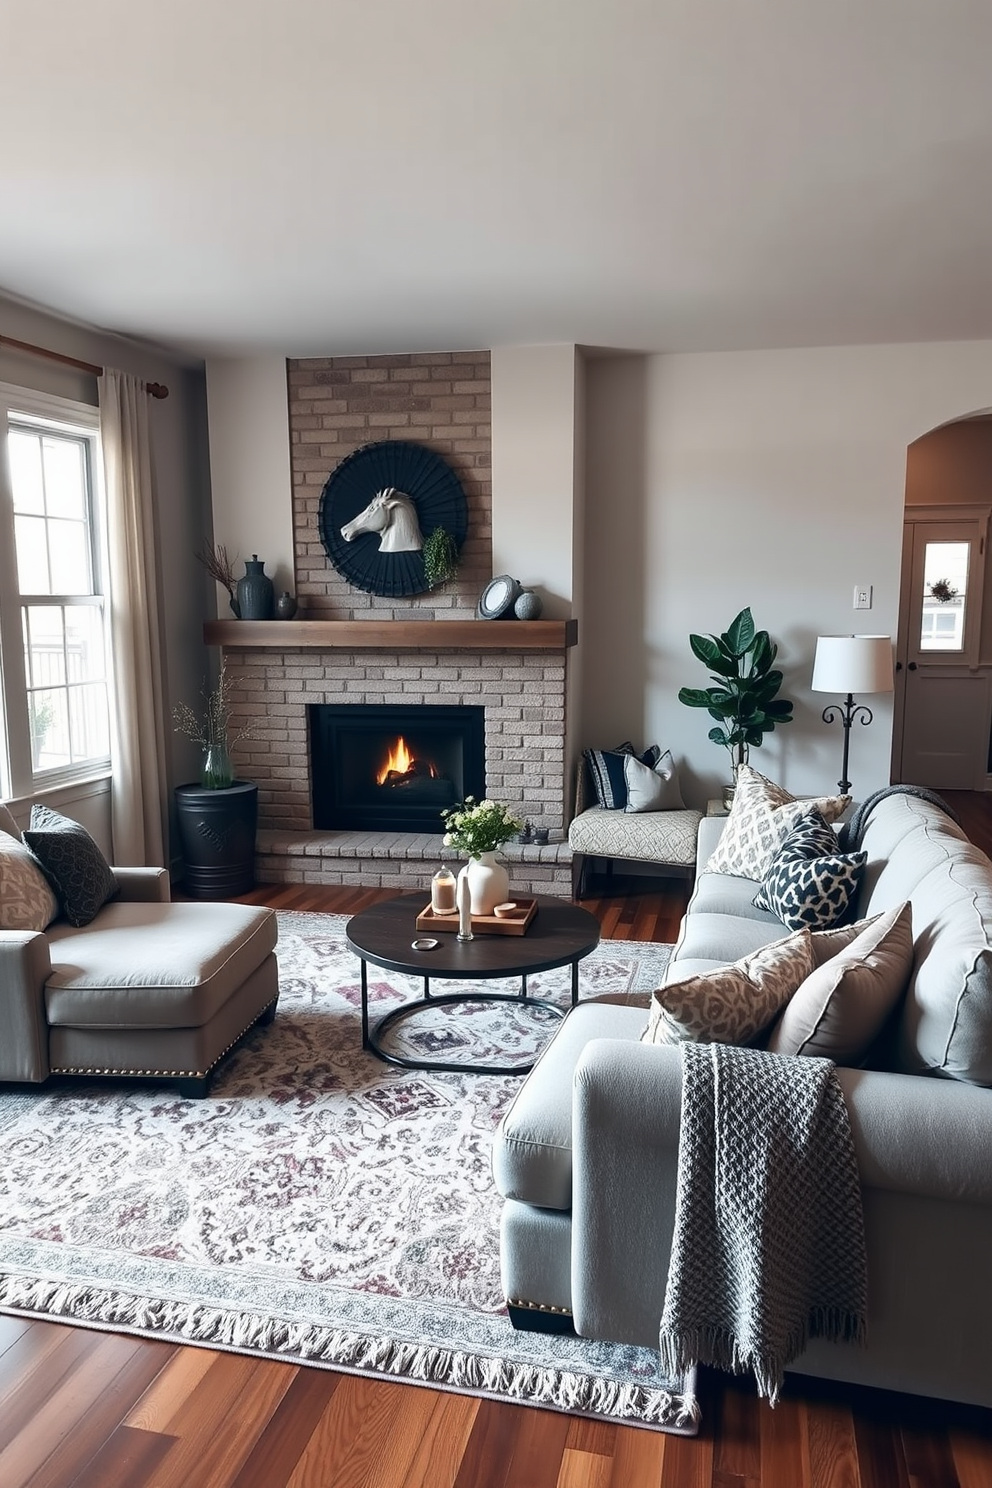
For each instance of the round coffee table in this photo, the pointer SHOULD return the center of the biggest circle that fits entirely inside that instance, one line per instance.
(560, 934)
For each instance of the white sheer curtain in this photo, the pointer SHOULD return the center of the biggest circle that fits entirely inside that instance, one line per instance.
(137, 711)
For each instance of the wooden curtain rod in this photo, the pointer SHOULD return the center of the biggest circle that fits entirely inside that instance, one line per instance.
(153, 389)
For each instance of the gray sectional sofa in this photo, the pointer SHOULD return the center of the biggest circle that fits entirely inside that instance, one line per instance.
(586, 1157)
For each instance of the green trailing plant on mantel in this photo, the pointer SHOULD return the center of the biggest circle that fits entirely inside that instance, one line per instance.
(440, 554)
(743, 698)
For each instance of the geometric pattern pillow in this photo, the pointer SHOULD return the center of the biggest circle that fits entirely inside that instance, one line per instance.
(731, 1004)
(761, 818)
(842, 1006)
(26, 901)
(810, 883)
(608, 771)
(72, 862)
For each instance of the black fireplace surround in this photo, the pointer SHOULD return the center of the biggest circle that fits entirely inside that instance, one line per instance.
(384, 767)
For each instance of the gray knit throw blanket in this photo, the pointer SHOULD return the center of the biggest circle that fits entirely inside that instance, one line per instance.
(769, 1248)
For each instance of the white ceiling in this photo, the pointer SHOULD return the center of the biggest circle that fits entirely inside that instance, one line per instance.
(333, 176)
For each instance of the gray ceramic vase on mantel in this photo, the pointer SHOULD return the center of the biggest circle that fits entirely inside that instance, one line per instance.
(255, 594)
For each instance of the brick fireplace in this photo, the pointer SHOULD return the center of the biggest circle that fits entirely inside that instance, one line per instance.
(521, 689)
(356, 648)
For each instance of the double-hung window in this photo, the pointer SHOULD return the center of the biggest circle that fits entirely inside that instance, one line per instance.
(53, 620)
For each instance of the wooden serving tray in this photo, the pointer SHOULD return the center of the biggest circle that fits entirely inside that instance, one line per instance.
(515, 924)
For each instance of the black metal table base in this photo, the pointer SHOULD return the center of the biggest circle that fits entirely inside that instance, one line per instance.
(371, 1036)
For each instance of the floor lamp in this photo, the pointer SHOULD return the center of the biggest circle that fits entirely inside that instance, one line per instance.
(851, 664)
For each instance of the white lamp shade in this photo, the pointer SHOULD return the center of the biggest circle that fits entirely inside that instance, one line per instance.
(853, 664)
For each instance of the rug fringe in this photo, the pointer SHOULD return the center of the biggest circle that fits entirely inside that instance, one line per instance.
(250, 1332)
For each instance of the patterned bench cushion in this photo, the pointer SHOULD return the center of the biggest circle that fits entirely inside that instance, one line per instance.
(649, 836)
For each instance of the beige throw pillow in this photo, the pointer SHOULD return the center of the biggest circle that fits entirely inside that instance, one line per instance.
(732, 1003)
(762, 816)
(841, 1008)
(26, 901)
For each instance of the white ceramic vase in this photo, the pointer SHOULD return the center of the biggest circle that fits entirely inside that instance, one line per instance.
(488, 882)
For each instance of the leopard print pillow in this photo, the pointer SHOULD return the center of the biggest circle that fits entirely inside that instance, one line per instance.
(731, 1004)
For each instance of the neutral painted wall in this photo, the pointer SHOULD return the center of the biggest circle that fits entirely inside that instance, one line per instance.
(181, 483)
(537, 498)
(775, 479)
(249, 465)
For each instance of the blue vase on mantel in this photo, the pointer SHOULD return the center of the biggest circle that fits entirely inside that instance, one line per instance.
(255, 591)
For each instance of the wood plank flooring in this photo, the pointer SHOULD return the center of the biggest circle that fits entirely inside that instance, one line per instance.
(84, 1409)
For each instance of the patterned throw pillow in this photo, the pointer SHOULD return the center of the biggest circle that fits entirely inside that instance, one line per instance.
(762, 816)
(731, 1004)
(842, 1006)
(627, 781)
(607, 775)
(72, 862)
(810, 883)
(26, 901)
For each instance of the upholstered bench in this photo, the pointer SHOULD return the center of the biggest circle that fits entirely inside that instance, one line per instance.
(664, 838)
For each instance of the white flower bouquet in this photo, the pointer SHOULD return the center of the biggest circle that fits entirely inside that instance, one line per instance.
(477, 827)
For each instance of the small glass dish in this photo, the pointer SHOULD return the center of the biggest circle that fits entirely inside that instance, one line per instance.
(424, 943)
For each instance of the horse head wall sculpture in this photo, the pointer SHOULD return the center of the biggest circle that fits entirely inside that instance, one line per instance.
(393, 516)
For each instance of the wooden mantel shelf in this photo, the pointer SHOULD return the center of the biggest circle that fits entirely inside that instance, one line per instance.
(394, 635)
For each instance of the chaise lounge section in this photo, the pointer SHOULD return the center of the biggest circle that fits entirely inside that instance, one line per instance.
(147, 989)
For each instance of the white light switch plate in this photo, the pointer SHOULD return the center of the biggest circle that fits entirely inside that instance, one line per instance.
(862, 596)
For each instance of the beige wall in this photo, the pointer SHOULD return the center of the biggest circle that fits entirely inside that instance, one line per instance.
(774, 479)
(249, 465)
(179, 440)
(537, 492)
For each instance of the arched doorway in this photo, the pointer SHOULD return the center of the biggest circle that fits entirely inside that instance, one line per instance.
(943, 697)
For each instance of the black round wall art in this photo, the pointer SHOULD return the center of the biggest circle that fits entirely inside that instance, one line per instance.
(411, 470)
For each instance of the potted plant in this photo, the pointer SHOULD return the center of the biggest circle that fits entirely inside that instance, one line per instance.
(217, 816)
(743, 698)
(440, 554)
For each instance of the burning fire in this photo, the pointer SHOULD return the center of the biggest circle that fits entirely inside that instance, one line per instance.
(400, 761)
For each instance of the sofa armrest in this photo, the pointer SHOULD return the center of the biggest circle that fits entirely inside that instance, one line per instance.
(710, 832)
(626, 1100)
(25, 966)
(144, 885)
(914, 1135)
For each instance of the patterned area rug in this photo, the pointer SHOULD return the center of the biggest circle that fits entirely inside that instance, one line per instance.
(320, 1206)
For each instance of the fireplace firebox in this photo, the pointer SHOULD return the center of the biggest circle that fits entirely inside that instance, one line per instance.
(393, 768)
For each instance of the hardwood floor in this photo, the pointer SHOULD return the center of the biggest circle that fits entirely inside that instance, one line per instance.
(82, 1409)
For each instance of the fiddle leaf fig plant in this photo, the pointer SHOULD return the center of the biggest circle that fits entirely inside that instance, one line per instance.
(743, 698)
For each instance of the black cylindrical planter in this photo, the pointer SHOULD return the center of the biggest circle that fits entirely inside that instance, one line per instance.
(217, 831)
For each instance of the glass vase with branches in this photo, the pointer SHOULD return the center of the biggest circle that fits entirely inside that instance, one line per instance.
(212, 731)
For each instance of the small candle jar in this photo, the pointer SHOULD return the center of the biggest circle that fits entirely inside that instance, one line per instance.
(443, 891)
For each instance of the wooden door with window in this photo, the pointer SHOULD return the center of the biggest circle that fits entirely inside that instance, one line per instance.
(942, 696)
